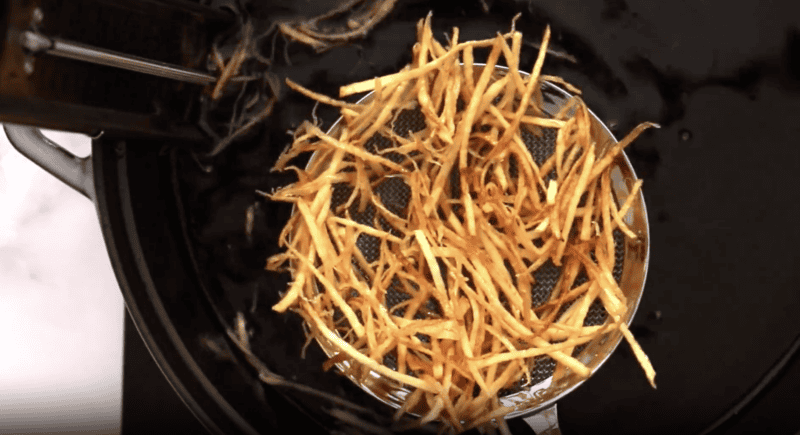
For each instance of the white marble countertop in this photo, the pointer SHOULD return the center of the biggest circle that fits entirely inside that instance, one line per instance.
(61, 312)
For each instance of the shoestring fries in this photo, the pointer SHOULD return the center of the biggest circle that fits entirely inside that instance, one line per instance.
(467, 247)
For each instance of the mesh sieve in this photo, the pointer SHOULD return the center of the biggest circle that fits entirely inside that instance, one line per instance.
(394, 194)
(629, 269)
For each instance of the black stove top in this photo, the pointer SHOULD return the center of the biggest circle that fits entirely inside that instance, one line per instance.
(720, 307)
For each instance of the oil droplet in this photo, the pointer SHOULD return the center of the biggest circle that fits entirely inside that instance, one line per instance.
(38, 16)
(27, 66)
(685, 135)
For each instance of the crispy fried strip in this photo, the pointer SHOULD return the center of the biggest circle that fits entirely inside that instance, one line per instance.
(358, 152)
(366, 229)
(644, 361)
(367, 85)
(611, 154)
(321, 97)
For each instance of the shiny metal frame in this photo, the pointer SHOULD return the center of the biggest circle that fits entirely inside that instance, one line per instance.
(76, 172)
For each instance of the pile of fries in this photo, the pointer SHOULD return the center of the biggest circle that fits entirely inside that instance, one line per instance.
(469, 247)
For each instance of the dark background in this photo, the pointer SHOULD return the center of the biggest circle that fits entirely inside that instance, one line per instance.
(719, 310)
